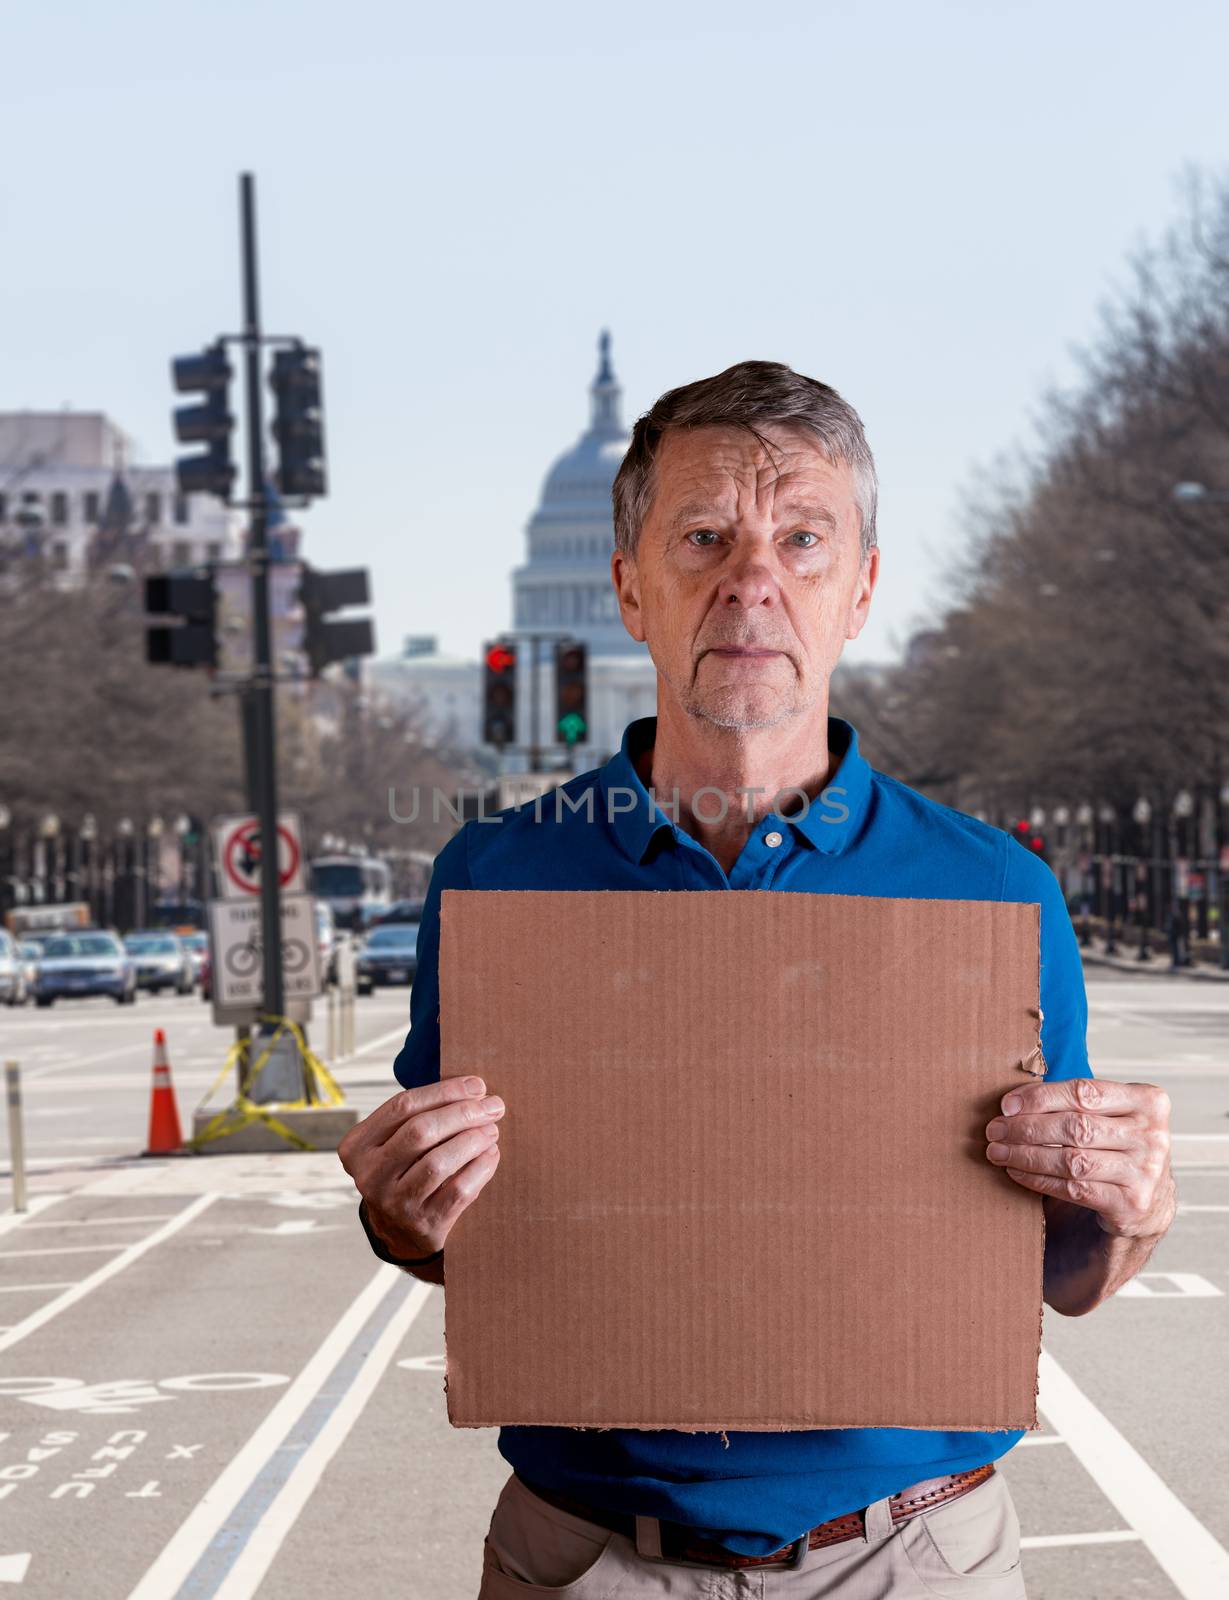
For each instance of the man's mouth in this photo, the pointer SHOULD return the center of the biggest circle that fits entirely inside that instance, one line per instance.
(741, 650)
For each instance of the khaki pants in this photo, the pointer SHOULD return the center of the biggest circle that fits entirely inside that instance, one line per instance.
(969, 1546)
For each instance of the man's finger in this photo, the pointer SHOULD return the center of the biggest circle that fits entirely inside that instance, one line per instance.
(1107, 1198)
(379, 1127)
(1097, 1166)
(1101, 1095)
(1078, 1129)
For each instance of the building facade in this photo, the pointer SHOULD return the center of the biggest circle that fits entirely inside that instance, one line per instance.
(70, 495)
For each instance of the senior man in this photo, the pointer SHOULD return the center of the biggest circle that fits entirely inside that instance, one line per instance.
(745, 556)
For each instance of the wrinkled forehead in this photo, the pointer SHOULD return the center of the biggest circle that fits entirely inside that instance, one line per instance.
(720, 469)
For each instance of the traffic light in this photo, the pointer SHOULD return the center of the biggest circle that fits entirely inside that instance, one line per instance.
(298, 423)
(327, 639)
(188, 595)
(209, 422)
(499, 694)
(1033, 842)
(571, 698)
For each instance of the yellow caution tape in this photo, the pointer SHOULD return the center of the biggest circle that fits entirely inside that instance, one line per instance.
(322, 1089)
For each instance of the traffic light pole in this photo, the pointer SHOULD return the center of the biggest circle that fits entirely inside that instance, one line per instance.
(533, 639)
(263, 782)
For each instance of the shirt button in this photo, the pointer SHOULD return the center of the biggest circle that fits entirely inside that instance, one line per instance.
(772, 840)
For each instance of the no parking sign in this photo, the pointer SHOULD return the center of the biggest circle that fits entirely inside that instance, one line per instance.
(239, 851)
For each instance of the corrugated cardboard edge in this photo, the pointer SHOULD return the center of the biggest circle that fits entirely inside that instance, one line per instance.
(1034, 1065)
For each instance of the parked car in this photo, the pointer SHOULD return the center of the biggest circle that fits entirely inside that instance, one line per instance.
(162, 962)
(76, 964)
(326, 938)
(197, 946)
(389, 954)
(12, 971)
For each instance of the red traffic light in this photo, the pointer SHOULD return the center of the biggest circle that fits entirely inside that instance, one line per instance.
(499, 658)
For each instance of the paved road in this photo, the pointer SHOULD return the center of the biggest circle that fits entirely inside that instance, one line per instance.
(208, 1387)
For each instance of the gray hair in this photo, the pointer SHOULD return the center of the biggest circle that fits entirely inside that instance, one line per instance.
(743, 395)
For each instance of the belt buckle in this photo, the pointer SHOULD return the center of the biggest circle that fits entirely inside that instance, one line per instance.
(799, 1549)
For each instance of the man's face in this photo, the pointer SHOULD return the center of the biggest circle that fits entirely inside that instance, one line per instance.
(748, 577)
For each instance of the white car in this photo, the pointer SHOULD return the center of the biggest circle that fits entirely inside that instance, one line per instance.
(13, 986)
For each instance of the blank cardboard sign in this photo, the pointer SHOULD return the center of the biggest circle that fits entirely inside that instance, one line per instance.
(743, 1180)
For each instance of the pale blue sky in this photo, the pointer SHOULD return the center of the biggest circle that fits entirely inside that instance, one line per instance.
(921, 204)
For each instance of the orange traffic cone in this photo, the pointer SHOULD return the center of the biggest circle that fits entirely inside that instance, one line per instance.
(164, 1134)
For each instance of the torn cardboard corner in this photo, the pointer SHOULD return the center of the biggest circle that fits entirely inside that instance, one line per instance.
(743, 1180)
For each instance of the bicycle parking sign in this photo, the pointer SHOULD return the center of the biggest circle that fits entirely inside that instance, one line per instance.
(238, 953)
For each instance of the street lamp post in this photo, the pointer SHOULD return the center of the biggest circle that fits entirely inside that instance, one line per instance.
(1142, 813)
(1180, 922)
(86, 834)
(1083, 821)
(1108, 818)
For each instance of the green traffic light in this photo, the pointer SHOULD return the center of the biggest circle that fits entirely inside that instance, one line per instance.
(572, 727)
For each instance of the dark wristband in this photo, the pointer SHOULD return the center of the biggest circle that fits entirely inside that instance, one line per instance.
(381, 1249)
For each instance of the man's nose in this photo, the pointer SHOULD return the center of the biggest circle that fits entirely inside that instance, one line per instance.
(748, 582)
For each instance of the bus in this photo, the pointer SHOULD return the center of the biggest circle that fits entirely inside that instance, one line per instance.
(356, 888)
(178, 916)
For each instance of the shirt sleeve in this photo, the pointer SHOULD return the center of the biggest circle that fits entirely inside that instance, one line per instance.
(1064, 1000)
(418, 1060)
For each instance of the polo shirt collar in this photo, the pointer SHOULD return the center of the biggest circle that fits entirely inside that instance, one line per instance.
(832, 821)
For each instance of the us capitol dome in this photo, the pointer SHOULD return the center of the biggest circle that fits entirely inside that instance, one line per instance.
(563, 589)
(564, 586)
(565, 582)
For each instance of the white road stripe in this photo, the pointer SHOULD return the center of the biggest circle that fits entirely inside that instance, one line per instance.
(1196, 1563)
(1041, 1438)
(1182, 1208)
(60, 1250)
(375, 1044)
(44, 1314)
(21, 1288)
(1040, 1541)
(194, 1535)
(256, 1557)
(102, 1222)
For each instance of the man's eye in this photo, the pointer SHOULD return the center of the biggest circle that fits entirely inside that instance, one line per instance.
(811, 538)
(703, 536)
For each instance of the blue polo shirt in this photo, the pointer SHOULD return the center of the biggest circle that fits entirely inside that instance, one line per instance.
(867, 834)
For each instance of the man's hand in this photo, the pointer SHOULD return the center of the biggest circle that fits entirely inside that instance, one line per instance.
(1095, 1143)
(420, 1159)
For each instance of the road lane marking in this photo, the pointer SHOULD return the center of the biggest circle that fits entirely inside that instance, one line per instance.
(1195, 1562)
(104, 1222)
(1186, 1286)
(1040, 1541)
(1183, 1207)
(44, 1314)
(273, 1473)
(16, 1288)
(39, 1073)
(1042, 1438)
(274, 1505)
(377, 1043)
(60, 1250)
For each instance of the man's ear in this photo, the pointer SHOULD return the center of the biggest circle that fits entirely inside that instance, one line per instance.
(868, 574)
(625, 576)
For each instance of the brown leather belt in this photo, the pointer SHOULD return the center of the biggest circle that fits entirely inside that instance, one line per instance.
(681, 1543)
